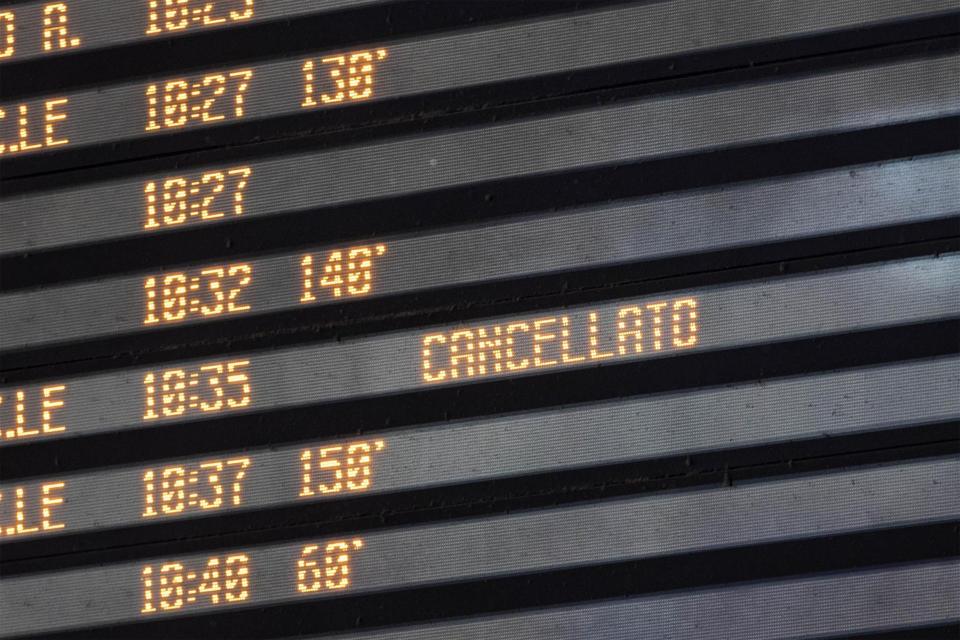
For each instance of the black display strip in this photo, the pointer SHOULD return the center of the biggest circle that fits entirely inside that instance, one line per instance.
(612, 531)
(670, 324)
(674, 125)
(620, 431)
(629, 231)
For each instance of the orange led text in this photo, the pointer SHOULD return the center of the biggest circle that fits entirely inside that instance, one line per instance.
(208, 196)
(170, 16)
(30, 509)
(351, 78)
(211, 98)
(172, 586)
(209, 292)
(330, 573)
(208, 388)
(337, 468)
(347, 272)
(55, 31)
(189, 488)
(28, 413)
(553, 341)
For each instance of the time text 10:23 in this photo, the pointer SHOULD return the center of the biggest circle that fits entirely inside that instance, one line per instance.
(211, 98)
(58, 26)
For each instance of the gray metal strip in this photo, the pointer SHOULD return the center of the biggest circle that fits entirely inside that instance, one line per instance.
(504, 545)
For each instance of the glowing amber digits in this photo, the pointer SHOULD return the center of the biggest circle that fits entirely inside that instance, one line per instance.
(346, 272)
(174, 586)
(179, 391)
(187, 489)
(548, 342)
(217, 291)
(207, 196)
(170, 16)
(335, 572)
(182, 101)
(351, 73)
(337, 468)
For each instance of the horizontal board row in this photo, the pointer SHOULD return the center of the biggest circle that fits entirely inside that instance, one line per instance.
(437, 455)
(645, 129)
(603, 532)
(606, 235)
(669, 324)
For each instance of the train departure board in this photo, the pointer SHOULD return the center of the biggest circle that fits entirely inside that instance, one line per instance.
(422, 319)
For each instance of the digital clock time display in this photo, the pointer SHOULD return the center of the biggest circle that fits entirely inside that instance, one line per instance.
(635, 230)
(47, 28)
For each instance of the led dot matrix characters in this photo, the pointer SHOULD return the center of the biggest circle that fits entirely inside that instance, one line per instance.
(211, 195)
(204, 389)
(548, 342)
(352, 74)
(217, 290)
(26, 413)
(32, 125)
(167, 16)
(352, 276)
(177, 102)
(55, 32)
(185, 489)
(173, 586)
(30, 509)
(161, 17)
(340, 467)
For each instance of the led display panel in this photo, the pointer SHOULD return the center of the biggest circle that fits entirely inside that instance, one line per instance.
(669, 324)
(596, 236)
(380, 71)
(45, 29)
(368, 332)
(645, 129)
(439, 553)
(833, 404)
